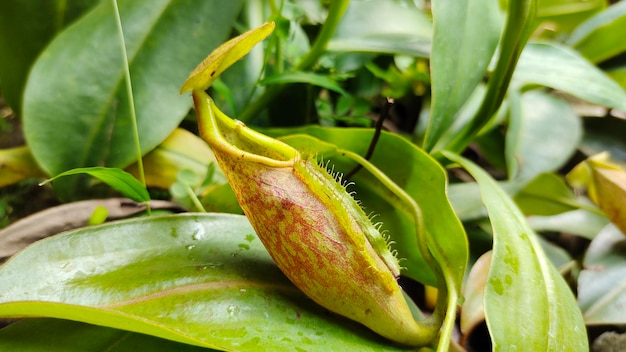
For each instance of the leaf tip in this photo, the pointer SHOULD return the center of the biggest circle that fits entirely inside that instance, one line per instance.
(224, 56)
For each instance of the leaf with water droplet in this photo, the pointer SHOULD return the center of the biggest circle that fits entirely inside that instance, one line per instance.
(518, 260)
(136, 275)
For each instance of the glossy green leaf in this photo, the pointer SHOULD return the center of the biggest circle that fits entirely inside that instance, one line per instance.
(201, 279)
(383, 26)
(26, 27)
(562, 68)
(560, 17)
(466, 201)
(544, 132)
(54, 335)
(76, 112)
(119, 179)
(602, 284)
(579, 222)
(547, 194)
(421, 177)
(523, 286)
(600, 37)
(465, 37)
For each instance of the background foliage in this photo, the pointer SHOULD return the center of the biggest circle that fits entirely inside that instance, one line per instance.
(529, 91)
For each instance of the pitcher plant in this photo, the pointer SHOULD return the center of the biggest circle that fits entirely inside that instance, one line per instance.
(316, 232)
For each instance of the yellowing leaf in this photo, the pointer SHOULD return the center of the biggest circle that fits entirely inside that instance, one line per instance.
(17, 164)
(224, 56)
(605, 182)
(182, 150)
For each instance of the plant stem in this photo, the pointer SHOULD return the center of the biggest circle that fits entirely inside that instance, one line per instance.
(131, 100)
(335, 13)
(194, 198)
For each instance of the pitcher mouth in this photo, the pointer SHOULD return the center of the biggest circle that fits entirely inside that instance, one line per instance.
(233, 138)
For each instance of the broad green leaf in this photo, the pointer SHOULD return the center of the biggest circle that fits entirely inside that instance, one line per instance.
(224, 56)
(523, 286)
(421, 177)
(120, 180)
(559, 17)
(54, 335)
(544, 132)
(466, 201)
(602, 284)
(465, 37)
(76, 112)
(562, 68)
(26, 27)
(201, 279)
(383, 26)
(579, 222)
(547, 194)
(599, 38)
(305, 77)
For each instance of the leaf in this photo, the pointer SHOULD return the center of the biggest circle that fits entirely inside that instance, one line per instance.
(465, 37)
(605, 182)
(181, 150)
(305, 77)
(86, 99)
(544, 132)
(473, 310)
(466, 201)
(80, 337)
(602, 285)
(201, 279)
(611, 193)
(224, 56)
(120, 180)
(598, 38)
(579, 222)
(26, 27)
(399, 29)
(547, 194)
(562, 68)
(559, 17)
(523, 286)
(17, 164)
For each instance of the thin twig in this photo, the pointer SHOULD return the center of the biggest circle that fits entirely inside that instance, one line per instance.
(384, 114)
